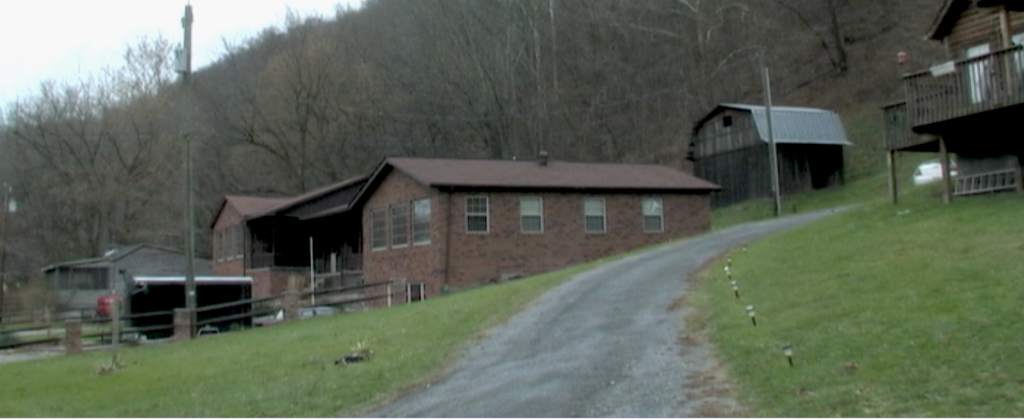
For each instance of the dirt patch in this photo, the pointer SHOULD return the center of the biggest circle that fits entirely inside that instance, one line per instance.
(709, 385)
(25, 355)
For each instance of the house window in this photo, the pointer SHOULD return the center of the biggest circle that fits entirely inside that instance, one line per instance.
(379, 229)
(477, 214)
(653, 220)
(531, 214)
(421, 221)
(240, 241)
(593, 215)
(726, 121)
(415, 291)
(400, 225)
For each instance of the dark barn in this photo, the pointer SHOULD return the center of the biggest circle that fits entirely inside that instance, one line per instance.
(729, 147)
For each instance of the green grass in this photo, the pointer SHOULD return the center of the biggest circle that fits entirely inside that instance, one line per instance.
(909, 310)
(282, 371)
(872, 188)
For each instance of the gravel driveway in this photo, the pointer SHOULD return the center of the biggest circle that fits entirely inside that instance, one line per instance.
(604, 344)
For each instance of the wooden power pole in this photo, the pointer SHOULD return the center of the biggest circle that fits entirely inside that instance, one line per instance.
(184, 68)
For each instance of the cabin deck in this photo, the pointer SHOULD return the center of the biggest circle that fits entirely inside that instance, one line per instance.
(953, 94)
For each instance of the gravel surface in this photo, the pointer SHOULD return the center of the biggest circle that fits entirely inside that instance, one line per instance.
(607, 343)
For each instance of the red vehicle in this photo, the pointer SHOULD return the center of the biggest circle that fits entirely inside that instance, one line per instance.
(105, 303)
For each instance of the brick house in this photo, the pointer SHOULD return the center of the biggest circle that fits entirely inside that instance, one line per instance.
(439, 224)
(274, 239)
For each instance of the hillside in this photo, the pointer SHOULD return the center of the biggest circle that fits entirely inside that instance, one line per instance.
(890, 311)
(98, 162)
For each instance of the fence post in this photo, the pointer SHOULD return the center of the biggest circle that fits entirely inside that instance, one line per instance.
(290, 304)
(72, 337)
(183, 326)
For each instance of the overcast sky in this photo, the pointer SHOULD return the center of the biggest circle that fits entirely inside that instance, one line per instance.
(60, 39)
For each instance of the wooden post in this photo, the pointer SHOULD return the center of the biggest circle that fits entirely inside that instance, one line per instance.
(115, 323)
(1018, 173)
(891, 160)
(947, 191)
(72, 337)
(290, 305)
(183, 324)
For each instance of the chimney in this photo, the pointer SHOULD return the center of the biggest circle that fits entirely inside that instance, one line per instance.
(543, 157)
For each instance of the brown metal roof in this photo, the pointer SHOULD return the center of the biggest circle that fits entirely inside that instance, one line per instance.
(288, 203)
(251, 205)
(553, 175)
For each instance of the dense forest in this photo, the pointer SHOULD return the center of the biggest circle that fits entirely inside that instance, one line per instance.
(97, 161)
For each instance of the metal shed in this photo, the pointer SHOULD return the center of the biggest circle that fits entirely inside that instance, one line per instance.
(729, 147)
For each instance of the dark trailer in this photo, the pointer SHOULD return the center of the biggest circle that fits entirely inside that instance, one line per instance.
(166, 293)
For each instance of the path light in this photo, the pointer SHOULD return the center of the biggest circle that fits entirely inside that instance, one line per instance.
(787, 350)
(735, 288)
(728, 272)
(750, 312)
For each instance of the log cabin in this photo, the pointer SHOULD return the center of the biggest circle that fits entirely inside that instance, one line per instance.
(966, 105)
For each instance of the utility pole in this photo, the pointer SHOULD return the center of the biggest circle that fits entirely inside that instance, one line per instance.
(184, 68)
(773, 152)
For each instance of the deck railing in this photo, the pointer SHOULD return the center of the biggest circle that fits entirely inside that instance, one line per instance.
(965, 87)
(898, 134)
(1000, 180)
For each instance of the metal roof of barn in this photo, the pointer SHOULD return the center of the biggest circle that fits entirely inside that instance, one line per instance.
(793, 125)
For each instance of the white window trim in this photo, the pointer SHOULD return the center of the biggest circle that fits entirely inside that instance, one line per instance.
(430, 215)
(408, 226)
(486, 215)
(540, 200)
(373, 245)
(408, 291)
(604, 216)
(644, 215)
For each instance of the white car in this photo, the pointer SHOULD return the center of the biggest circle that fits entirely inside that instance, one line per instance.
(931, 171)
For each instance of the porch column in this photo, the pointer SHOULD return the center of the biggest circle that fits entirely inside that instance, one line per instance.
(947, 190)
(891, 160)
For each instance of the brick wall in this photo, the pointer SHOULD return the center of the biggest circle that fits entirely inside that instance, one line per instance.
(227, 218)
(267, 282)
(414, 263)
(506, 252)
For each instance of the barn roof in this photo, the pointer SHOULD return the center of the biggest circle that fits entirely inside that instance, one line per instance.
(793, 125)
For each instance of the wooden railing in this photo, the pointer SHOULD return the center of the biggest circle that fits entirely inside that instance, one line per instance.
(898, 134)
(965, 87)
(1000, 180)
(26, 332)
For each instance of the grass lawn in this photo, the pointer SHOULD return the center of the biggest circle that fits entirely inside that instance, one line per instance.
(908, 310)
(873, 188)
(281, 371)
